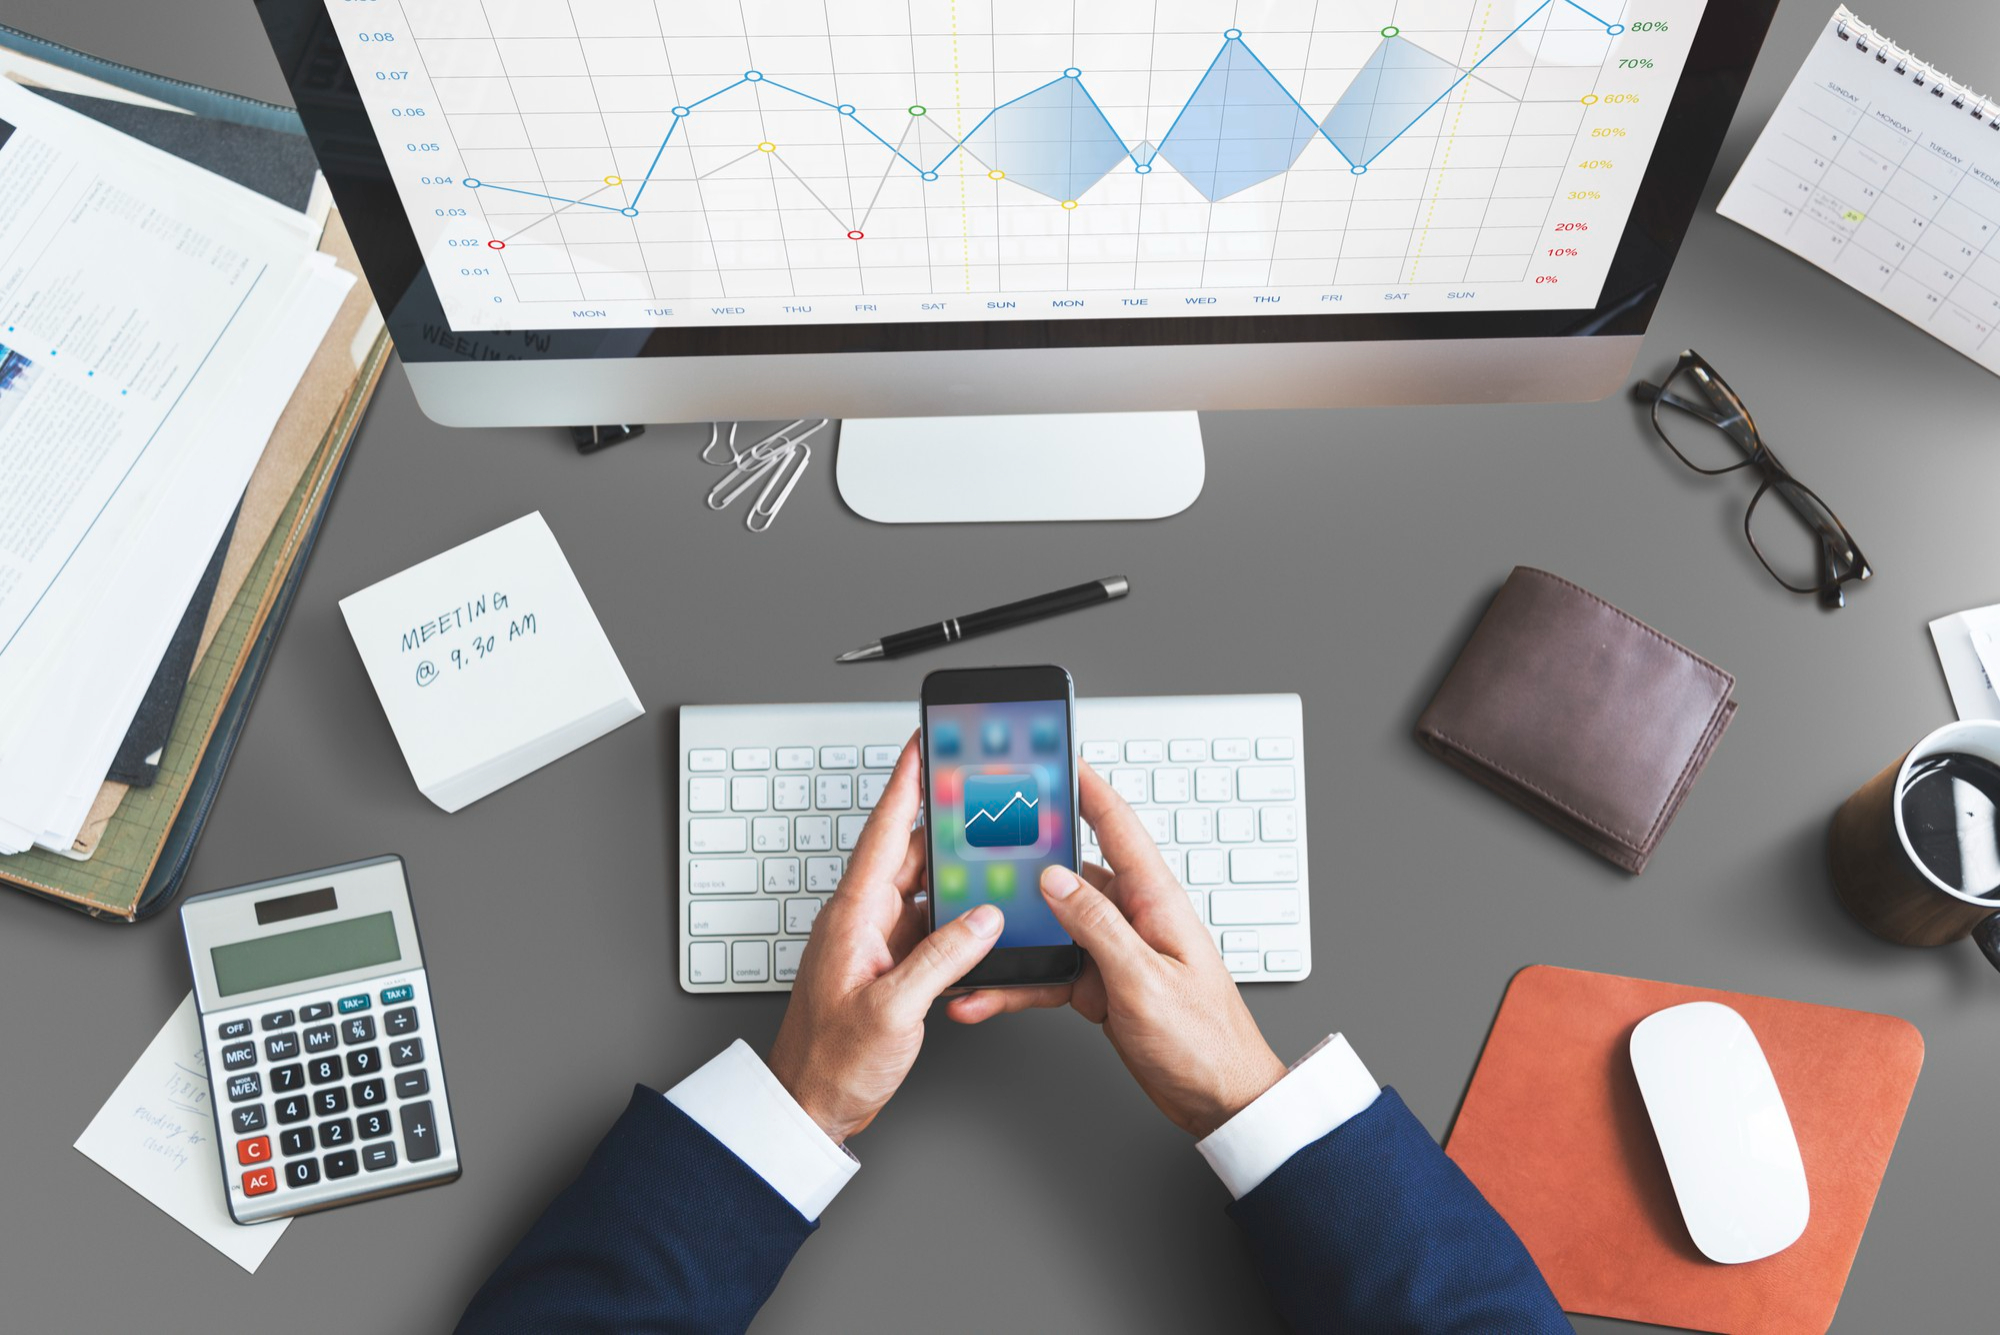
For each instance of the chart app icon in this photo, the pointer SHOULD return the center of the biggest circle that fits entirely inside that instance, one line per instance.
(1002, 810)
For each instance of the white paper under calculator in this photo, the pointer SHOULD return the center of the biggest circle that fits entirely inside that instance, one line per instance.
(1885, 173)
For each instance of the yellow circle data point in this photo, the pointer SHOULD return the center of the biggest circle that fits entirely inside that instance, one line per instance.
(1069, 203)
(997, 174)
(1590, 99)
(767, 148)
(614, 180)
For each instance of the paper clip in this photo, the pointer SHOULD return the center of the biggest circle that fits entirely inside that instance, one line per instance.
(778, 461)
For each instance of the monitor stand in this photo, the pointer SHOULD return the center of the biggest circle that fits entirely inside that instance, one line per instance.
(998, 470)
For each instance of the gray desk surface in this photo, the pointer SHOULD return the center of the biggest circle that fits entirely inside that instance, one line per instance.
(1342, 555)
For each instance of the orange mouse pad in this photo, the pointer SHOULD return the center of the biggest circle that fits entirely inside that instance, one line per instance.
(1554, 1131)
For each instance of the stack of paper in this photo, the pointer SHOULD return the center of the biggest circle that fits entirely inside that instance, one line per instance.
(154, 319)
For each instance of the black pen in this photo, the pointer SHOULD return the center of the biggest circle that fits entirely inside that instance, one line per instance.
(993, 618)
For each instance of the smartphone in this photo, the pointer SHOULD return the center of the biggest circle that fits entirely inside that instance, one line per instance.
(999, 762)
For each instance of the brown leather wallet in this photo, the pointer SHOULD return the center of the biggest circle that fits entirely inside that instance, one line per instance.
(1585, 716)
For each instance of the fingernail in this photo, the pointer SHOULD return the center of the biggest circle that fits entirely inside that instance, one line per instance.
(1059, 883)
(984, 920)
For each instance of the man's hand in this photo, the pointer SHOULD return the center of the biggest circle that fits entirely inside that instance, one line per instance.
(870, 974)
(1153, 980)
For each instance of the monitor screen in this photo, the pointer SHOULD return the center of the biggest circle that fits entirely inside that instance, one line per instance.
(781, 176)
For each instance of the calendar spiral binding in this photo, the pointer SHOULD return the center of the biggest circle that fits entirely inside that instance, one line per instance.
(1920, 72)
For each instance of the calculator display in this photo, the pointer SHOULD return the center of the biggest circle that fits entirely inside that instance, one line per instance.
(334, 947)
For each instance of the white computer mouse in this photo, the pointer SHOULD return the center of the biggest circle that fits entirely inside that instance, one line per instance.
(1723, 1130)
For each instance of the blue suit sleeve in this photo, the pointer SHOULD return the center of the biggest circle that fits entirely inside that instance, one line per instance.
(664, 1231)
(1371, 1228)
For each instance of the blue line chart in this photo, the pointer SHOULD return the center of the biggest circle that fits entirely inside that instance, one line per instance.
(1239, 127)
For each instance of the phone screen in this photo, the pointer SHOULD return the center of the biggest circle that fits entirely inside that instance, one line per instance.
(1000, 811)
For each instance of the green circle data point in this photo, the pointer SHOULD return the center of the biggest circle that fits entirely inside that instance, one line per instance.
(918, 110)
(1392, 31)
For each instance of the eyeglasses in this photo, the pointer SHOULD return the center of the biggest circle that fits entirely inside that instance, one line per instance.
(1801, 542)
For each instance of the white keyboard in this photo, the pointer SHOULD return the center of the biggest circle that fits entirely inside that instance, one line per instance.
(773, 798)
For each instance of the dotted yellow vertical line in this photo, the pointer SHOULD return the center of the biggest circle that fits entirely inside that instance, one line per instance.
(1437, 190)
(958, 131)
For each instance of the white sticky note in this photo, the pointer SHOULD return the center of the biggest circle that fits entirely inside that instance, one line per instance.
(489, 662)
(1966, 642)
(156, 1134)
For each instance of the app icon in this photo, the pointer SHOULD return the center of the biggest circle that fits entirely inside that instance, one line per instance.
(951, 880)
(1001, 878)
(1002, 810)
(944, 739)
(1046, 737)
(995, 737)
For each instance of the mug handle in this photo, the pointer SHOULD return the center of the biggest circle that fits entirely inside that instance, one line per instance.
(1987, 936)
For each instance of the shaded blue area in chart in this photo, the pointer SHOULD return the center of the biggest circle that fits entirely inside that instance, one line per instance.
(1240, 128)
(1400, 82)
(1054, 141)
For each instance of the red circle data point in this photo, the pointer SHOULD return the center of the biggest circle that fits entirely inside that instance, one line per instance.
(857, 236)
(496, 245)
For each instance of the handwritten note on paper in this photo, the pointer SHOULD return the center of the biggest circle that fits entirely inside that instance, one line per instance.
(156, 1134)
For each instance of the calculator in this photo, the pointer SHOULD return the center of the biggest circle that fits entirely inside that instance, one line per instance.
(322, 1044)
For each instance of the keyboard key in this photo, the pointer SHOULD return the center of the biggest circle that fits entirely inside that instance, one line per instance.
(781, 876)
(881, 757)
(834, 792)
(377, 1157)
(839, 757)
(750, 794)
(789, 953)
(1249, 963)
(795, 757)
(799, 915)
(401, 1021)
(708, 962)
(812, 834)
(751, 757)
(1175, 862)
(340, 1132)
(707, 760)
(1170, 785)
(1100, 753)
(370, 1094)
(791, 792)
(360, 1029)
(412, 1083)
(327, 1102)
(359, 1002)
(257, 1149)
(250, 1117)
(1284, 961)
(363, 1061)
(1278, 825)
(249, 1085)
(343, 1164)
(1212, 783)
(1144, 753)
(279, 1020)
(771, 834)
(281, 1047)
(406, 1052)
(233, 1029)
(1236, 825)
(1238, 908)
(1232, 748)
(871, 790)
(1159, 824)
(420, 1134)
(396, 996)
(323, 1070)
(260, 1182)
(1276, 748)
(239, 1055)
(733, 917)
(1234, 943)
(294, 1109)
(319, 1010)
(373, 1125)
(299, 1140)
(729, 834)
(750, 962)
(1187, 751)
(722, 876)
(284, 1079)
(1199, 902)
(301, 1172)
(1263, 866)
(1131, 784)
(321, 1037)
(1207, 866)
(1266, 783)
(707, 795)
(823, 874)
(1196, 825)
(849, 832)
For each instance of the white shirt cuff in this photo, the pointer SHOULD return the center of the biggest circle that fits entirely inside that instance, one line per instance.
(736, 1099)
(1323, 1089)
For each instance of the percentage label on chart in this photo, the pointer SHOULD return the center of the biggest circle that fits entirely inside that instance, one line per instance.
(1563, 253)
(1594, 164)
(1641, 63)
(1650, 25)
(1572, 227)
(1585, 194)
(1545, 278)
(1621, 99)
(1608, 132)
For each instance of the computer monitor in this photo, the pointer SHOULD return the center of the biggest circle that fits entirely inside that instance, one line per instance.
(677, 210)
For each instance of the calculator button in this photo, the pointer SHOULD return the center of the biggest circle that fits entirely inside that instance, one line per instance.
(339, 1132)
(280, 1047)
(321, 1070)
(284, 1079)
(249, 1086)
(319, 1010)
(257, 1149)
(297, 1141)
(364, 1061)
(357, 1002)
(301, 1172)
(406, 1052)
(394, 996)
(293, 1109)
(279, 1020)
(260, 1182)
(412, 1083)
(327, 1102)
(399, 1022)
(343, 1164)
(232, 1029)
(239, 1055)
(250, 1117)
(377, 1157)
(372, 1125)
(321, 1037)
(420, 1138)
(361, 1029)
(369, 1093)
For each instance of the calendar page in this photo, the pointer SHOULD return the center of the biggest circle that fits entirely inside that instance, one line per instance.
(1885, 173)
